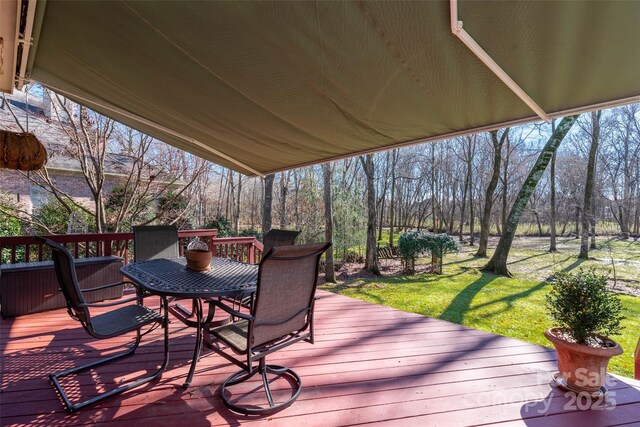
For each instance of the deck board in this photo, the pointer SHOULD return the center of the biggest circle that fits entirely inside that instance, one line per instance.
(370, 364)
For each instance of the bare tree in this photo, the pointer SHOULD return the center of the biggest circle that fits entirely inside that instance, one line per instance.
(485, 222)
(587, 207)
(267, 203)
(498, 262)
(330, 275)
(371, 258)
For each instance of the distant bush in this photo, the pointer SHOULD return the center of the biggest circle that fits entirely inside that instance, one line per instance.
(251, 231)
(9, 226)
(412, 244)
(173, 210)
(222, 224)
(54, 217)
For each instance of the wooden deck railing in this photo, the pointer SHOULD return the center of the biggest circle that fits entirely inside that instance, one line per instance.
(27, 249)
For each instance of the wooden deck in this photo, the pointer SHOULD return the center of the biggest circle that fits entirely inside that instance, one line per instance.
(370, 364)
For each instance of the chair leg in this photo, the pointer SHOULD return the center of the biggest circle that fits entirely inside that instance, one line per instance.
(272, 407)
(71, 407)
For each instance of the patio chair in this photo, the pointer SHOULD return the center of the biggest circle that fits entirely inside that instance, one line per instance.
(129, 318)
(276, 237)
(282, 315)
(155, 241)
(159, 241)
(272, 239)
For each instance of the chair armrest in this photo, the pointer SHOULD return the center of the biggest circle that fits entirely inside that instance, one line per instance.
(114, 303)
(110, 285)
(231, 311)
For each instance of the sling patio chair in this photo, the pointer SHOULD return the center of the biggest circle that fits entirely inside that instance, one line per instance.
(155, 241)
(276, 237)
(160, 241)
(282, 315)
(113, 323)
(273, 238)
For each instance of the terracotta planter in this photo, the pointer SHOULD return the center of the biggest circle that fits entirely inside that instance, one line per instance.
(198, 260)
(582, 368)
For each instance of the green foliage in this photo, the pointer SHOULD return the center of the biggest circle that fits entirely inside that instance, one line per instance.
(349, 222)
(246, 232)
(174, 209)
(55, 216)
(582, 303)
(9, 226)
(222, 224)
(118, 196)
(413, 243)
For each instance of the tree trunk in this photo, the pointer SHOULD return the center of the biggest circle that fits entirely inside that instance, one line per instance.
(371, 257)
(498, 262)
(463, 207)
(392, 201)
(284, 189)
(237, 213)
(552, 200)
(485, 222)
(267, 203)
(330, 275)
(587, 207)
(505, 184)
(472, 151)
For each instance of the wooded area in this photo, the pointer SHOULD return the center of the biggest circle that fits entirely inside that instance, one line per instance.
(466, 187)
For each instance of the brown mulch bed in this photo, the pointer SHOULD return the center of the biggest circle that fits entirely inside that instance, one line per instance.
(388, 267)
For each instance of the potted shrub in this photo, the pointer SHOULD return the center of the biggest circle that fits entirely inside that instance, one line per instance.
(586, 312)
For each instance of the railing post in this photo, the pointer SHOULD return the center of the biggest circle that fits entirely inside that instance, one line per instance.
(252, 253)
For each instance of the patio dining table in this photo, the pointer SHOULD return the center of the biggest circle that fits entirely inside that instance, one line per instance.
(169, 277)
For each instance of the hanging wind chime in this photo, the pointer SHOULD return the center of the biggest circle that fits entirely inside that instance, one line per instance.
(21, 151)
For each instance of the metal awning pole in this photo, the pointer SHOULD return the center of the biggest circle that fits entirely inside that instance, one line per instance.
(458, 31)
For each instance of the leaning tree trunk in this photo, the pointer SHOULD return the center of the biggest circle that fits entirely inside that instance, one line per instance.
(498, 263)
(587, 207)
(329, 275)
(267, 204)
(485, 223)
(371, 259)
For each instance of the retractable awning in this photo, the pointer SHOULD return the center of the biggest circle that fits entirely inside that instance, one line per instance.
(265, 86)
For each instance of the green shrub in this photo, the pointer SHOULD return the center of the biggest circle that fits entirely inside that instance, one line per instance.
(247, 232)
(56, 217)
(221, 223)
(10, 226)
(413, 243)
(173, 208)
(581, 303)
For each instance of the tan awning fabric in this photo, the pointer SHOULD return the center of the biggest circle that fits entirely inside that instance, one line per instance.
(277, 85)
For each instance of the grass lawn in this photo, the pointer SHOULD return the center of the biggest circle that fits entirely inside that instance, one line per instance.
(511, 307)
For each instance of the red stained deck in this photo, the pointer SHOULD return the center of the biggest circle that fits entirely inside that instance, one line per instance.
(370, 364)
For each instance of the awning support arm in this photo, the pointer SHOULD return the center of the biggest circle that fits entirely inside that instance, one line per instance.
(25, 41)
(154, 125)
(458, 31)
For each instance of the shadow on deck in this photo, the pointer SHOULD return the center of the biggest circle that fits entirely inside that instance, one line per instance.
(369, 364)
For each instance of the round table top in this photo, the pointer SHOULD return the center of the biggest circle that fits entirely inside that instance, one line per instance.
(170, 277)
